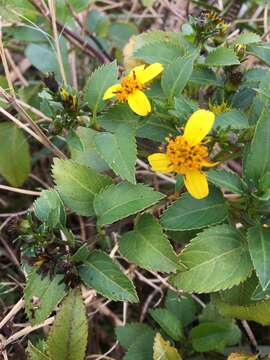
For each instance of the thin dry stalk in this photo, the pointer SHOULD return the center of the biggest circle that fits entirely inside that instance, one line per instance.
(4, 61)
(56, 41)
(20, 191)
(16, 308)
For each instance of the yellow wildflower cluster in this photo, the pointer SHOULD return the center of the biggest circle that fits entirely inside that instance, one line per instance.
(186, 154)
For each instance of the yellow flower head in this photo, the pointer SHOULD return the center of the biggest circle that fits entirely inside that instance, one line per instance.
(187, 155)
(131, 86)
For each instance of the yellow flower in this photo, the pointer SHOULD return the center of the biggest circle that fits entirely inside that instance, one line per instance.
(131, 86)
(187, 155)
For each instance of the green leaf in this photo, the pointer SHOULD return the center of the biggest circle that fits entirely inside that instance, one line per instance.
(148, 247)
(259, 311)
(118, 115)
(99, 81)
(261, 51)
(188, 213)
(104, 275)
(258, 158)
(155, 129)
(87, 154)
(142, 347)
(168, 322)
(119, 201)
(119, 151)
(97, 23)
(183, 307)
(259, 248)
(212, 261)
(247, 38)
(34, 353)
(163, 52)
(78, 185)
(49, 208)
(234, 119)
(121, 32)
(43, 57)
(163, 350)
(81, 254)
(67, 339)
(221, 57)
(204, 76)
(227, 180)
(210, 336)
(176, 76)
(14, 154)
(42, 294)
(260, 294)
(183, 108)
(127, 333)
(241, 294)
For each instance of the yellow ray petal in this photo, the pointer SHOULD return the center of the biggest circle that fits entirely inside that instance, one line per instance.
(159, 162)
(149, 73)
(198, 126)
(110, 92)
(196, 184)
(207, 163)
(137, 69)
(139, 103)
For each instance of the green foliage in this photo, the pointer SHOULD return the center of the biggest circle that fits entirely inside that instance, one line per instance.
(43, 57)
(258, 157)
(137, 339)
(119, 151)
(83, 151)
(261, 51)
(15, 167)
(214, 332)
(99, 81)
(259, 248)
(158, 51)
(210, 336)
(173, 85)
(121, 32)
(227, 180)
(168, 322)
(49, 208)
(42, 294)
(78, 185)
(119, 201)
(97, 23)
(183, 307)
(212, 261)
(116, 116)
(148, 247)
(204, 76)
(246, 38)
(116, 215)
(221, 57)
(104, 275)
(163, 350)
(234, 119)
(187, 213)
(68, 337)
(259, 311)
(34, 353)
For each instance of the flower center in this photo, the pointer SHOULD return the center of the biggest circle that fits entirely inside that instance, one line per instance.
(184, 157)
(129, 85)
